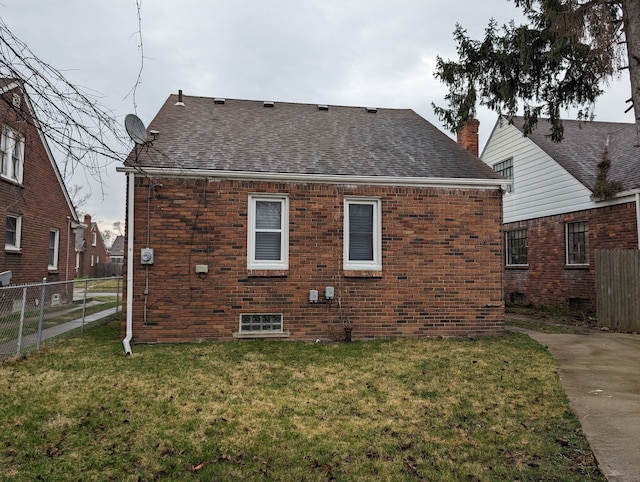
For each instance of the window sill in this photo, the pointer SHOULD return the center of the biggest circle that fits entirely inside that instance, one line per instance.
(362, 273)
(267, 273)
(53, 270)
(11, 181)
(262, 334)
(517, 266)
(576, 266)
(13, 250)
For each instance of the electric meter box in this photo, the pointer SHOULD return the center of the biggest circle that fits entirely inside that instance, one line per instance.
(146, 256)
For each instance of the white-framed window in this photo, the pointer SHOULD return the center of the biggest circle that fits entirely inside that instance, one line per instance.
(11, 155)
(577, 243)
(268, 233)
(517, 247)
(505, 169)
(54, 243)
(261, 323)
(94, 239)
(362, 234)
(13, 233)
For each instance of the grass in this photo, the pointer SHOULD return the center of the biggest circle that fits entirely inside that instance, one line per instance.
(482, 409)
(100, 284)
(9, 324)
(549, 319)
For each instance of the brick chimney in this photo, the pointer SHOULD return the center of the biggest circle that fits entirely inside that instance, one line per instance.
(468, 136)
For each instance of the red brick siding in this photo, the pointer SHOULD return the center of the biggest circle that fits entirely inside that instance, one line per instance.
(99, 251)
(43, 206)
(467, 136)
(442, 262)
(548, 281)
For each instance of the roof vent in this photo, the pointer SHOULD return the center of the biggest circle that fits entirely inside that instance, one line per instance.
(323, 107)
(180, 102)
(268, 103)
(371, 110)
(218, 101)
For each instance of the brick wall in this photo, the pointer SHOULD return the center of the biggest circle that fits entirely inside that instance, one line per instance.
(548, 281)
(441, 262)
(467, 136)
(41, 203)
(91, 255)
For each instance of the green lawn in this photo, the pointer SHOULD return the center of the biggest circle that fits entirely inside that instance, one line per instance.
(481, 409)
(9, 324)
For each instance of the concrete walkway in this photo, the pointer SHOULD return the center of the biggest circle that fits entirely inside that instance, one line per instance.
(600, 374)
(9, 348)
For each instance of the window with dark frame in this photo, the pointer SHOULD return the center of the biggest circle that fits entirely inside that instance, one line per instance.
(517, 247)
(577, 243)
(505, 169)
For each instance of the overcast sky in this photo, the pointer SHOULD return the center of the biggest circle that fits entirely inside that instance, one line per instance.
(343, 52)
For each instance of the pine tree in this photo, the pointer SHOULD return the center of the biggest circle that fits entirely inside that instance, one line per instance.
(561, 58)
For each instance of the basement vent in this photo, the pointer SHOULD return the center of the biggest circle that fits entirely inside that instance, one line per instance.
(55, 299)
(371, 110)
(218, 101)
(261, 323)
(323, 107)
(268, 103)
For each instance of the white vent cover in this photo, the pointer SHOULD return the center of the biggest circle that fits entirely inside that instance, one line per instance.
(268, 103)
(219, 101)
(323, 107)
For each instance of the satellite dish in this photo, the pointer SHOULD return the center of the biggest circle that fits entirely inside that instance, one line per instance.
(135, 128)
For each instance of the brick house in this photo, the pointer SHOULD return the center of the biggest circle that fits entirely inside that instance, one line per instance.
(260, 219)
(90, 249)
(116, 251)
(38, 212)
(554, 217)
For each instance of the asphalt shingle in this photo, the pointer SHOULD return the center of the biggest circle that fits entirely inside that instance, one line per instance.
(243, 135)
(583, 147)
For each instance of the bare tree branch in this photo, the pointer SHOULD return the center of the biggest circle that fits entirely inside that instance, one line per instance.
(76, 125)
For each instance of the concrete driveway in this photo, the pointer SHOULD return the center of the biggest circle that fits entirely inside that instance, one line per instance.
(600, 373)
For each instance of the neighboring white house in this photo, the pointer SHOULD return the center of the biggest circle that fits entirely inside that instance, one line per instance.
(554, 218)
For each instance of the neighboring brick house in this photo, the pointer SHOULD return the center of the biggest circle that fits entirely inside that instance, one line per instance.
(90, 249)
(290, 220)
(116, 251)
(553, 220)
(39, 216)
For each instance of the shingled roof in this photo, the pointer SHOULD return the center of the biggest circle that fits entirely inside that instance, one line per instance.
(302, 139)
(583, 147)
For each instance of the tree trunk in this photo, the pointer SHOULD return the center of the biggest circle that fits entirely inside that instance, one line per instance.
(631, 13)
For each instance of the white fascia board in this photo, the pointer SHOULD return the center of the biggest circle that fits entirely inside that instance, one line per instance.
(317, 178)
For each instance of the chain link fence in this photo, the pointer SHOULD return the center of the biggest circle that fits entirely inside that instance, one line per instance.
(30, 314)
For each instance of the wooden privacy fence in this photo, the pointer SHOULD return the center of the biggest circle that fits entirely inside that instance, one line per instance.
(618, 289)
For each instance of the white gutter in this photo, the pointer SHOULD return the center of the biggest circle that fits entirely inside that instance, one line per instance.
(317, 178)
(130, 197)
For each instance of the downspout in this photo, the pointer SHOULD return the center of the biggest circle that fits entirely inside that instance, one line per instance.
(129, 331)
(638, 216)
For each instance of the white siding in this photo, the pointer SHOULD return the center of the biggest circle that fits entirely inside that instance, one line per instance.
(541, 187)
